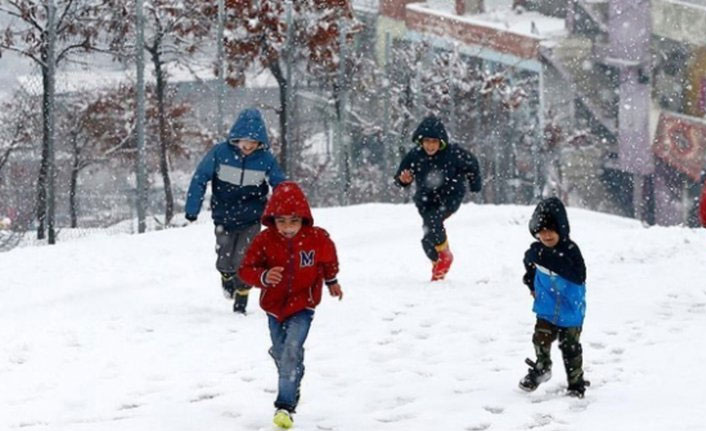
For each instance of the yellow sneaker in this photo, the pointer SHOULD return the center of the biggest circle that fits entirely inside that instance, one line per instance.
(283, 419)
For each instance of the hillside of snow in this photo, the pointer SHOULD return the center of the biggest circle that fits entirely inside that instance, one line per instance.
(131, 332)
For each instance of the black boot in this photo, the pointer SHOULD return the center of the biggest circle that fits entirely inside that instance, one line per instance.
(578, 389)
(241, 300)
(537, 374)
(228, 281)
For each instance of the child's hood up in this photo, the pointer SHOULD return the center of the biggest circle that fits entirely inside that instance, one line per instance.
(250, 125)
(550, 213)
(287, 199)
(431, 127)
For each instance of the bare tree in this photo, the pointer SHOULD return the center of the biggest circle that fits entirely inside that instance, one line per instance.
(268, 34)
(174, 34)
(77, 28)
(100, 128)
(17, 131)
(17, 138)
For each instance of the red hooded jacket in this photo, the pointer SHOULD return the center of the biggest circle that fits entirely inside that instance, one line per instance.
(702, 207)
(308, 259)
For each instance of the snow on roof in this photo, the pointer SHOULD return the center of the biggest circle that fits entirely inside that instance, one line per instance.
(74, 81)
(701, 4)
(528, 24)
(366, 4)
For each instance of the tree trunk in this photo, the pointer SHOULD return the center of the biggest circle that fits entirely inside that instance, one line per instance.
(276, 70)
(44, 163)
(75, 167)
(162, 119)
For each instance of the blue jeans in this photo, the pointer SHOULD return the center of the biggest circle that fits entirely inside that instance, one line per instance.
(287, 350)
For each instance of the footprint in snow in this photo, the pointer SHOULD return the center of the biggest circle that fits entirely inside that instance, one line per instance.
(597, 346)
(699, 308)
(384, 341)
(494, 409)
(204, 397)
(130, 406)
(541, 420)
(395, 418)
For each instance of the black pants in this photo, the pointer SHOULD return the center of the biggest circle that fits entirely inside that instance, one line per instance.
(433, 216)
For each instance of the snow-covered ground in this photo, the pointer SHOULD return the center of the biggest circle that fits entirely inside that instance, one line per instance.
(130, 332)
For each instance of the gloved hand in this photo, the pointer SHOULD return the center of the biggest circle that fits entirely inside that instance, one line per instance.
(190, 217)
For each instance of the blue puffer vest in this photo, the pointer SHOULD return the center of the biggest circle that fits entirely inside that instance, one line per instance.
(558, 300)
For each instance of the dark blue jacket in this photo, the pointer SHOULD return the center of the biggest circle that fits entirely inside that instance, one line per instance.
(239, 184)
(442, 177)
(556, 275)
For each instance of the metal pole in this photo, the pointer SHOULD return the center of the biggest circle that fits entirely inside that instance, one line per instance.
(342, 141)
(453, 58)
(221, 67)
(386, 154)
(51, 79)
(539, 141)
(140, 126)
(288, 160)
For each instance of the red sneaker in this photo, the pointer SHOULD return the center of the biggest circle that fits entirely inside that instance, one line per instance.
(442, 265)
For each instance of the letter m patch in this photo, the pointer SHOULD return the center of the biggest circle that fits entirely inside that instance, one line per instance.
(306, 258)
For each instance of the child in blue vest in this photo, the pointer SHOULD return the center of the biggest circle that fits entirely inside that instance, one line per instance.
(241, 171)
(556, 276)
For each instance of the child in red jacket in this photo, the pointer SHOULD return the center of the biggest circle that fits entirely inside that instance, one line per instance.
(290, 261)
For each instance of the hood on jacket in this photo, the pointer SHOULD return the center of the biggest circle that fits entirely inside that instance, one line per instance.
(431, 127)
(287, 199)
(550, 213)
(250, 125)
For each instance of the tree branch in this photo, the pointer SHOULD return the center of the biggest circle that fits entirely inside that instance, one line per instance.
(64, 52)
(63, 15)
(24, 18)
(25, 53)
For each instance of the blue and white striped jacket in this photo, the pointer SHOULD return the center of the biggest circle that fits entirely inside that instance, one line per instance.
(239, 184)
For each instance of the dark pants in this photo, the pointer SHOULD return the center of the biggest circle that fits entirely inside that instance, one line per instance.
(433, 216)
(231, 245)
(545, 333)
(287, 350)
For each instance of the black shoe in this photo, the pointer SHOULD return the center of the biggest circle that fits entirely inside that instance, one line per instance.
(578, 389)
(241, 300)
(536, 375)
(228, 284)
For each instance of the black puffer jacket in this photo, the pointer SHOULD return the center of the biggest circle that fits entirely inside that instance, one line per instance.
(565, 258)
(442, 177)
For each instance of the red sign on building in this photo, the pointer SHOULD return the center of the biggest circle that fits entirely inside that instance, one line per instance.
(681, 143)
